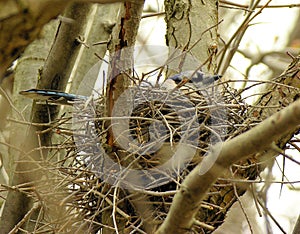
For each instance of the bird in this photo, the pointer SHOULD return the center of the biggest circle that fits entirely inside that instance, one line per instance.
(198, 79)
(52, 96)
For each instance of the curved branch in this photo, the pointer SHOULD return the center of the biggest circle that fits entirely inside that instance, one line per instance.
(195, 186)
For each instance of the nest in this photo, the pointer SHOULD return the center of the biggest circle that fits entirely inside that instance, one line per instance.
(160, 136)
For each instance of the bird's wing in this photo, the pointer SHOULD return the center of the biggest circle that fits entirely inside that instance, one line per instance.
(52, 96)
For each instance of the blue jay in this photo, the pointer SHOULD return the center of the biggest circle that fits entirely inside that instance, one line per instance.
(187, 78)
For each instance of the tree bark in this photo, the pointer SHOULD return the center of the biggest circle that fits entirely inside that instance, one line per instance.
(192, 26)
(20, 135)
(121, 48)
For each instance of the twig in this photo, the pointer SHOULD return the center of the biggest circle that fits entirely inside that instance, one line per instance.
(114, 210)
(194, 187)
(246, 7)
(26, 217)
(271, 216)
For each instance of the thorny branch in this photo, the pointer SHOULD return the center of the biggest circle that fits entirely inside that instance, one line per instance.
(193, 189)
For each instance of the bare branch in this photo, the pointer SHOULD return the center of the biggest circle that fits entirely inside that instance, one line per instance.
(246, 7)
(27, 18)
(195, 186)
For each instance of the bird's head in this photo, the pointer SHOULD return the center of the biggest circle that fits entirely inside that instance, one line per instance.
(198, 78)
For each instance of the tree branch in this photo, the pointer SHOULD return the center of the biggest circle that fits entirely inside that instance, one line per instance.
(55, 75)
(27, 18)
(297, 226)
(195, 186)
